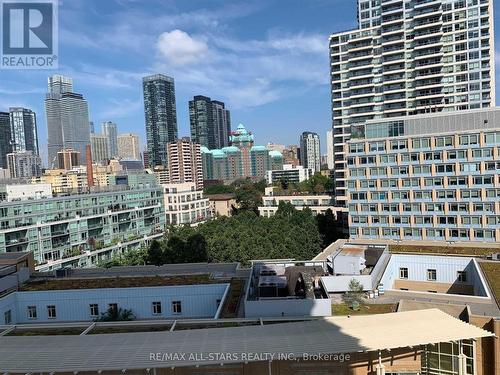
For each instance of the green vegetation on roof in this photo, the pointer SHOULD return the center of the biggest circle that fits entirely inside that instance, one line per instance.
(450, 250)
(114, 282)
(492, 272)
(364, 309)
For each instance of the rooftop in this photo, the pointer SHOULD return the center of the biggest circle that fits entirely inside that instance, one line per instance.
(492, 272)
(46, 284)
(134, 276)
(120, 351)
(220, 197)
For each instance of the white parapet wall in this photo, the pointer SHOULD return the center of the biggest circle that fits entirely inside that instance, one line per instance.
(197, 301)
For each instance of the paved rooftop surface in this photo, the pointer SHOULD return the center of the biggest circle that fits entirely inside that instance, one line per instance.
(214, 269)
(485, 307)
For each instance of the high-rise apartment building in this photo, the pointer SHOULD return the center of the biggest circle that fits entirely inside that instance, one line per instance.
(429, 177)
(67, 115)
(222, 121)
(110, 130)
(329, 149)
(99, 147)
(310, 156)
(24, 164)
(160, 115)
(5, 135)
(210, 122)
(184, 162)
(129, 146)
(24, 135)
(409, 57)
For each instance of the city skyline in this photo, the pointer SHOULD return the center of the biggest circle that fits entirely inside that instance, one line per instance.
(112, 85)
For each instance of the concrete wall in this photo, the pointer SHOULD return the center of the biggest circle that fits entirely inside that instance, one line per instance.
(288, 307)
(446, 273)
(429, 286)
(335, 284)
(198, 301)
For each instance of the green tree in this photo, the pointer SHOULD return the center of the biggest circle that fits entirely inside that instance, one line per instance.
(218, 189)
(248, 197)
(116, 314)
(355, 294)
(155, 254)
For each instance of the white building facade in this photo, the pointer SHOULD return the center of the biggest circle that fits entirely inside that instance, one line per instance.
(184, 204)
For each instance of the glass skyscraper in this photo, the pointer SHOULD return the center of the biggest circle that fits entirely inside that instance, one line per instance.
(160, 116)
(67, 117)
(24, 136)
(5, 147)
(210, 122)
(109, 129)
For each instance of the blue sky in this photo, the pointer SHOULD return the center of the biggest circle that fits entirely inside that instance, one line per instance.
(267, 59)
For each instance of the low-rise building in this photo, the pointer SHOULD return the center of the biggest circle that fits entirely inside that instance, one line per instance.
(318, 203)
(79, 295)
(79, 229)
(286, 288)
(184, 204)
(222, 204)
(289, 173)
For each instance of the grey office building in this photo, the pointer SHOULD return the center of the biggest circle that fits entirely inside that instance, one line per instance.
(160, 116)
(109, 129)
(67, 117)
(24, 136)
(5, 146)
(407, 58)
(210, 122)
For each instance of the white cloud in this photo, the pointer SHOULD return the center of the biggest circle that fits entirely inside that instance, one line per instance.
(245, 73)
(195, 48)
(179, 48)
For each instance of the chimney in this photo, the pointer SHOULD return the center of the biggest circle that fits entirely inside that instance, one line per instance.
(90, 170)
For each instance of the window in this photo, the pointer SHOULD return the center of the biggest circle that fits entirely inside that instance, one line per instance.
(94, 309)
(462, 276)
(471, 139)
(403, 273)
(156, 308)
(113, 307)
(444, 141)
(176, 307)
(399, 145)
(377, 146)
(31, 312)
(51, 312)
(7, 317)
(421, 143)
(431, 275)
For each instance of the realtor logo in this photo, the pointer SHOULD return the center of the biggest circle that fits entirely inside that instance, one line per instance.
(29, 34)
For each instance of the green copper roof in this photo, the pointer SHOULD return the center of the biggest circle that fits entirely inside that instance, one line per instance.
(258, 148)
(230, 149)
(275, 154)
(217, 153)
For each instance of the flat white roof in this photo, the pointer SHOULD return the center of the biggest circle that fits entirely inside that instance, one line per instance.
(334, 335)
